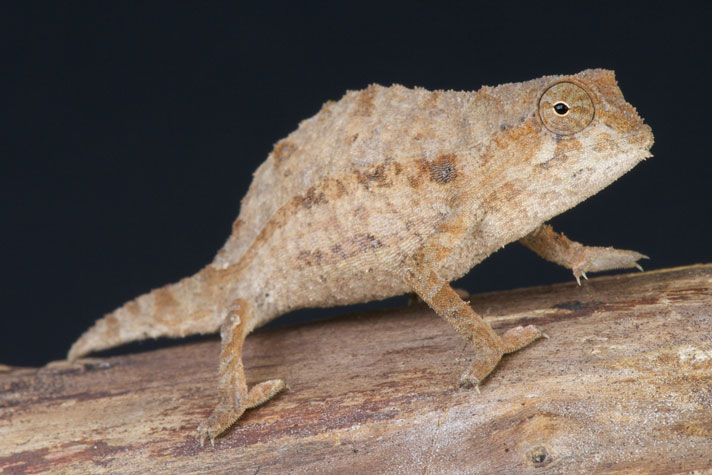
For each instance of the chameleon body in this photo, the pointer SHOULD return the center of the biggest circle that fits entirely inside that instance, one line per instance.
(393, 190)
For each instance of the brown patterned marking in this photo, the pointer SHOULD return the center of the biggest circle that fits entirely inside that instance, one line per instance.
(442, 170)
(237, 224)
(514, 136)
(163, 301)
(312, 198)
(364, 101)
(325, 191)
(453, 226)
(567, 145)
(524, 137)
(622, 117)
(374, 176)
(604, 143)
(504, 193)
(446, 298)
(310, 258)
(366, 241)
(360, 213)
(414, 181)
(133, 307)
(339, 189)
(621, 123)
(357, 244)
(282, 150)
(638, 140)
(112, 324)
(438, 252)
(432, 99)
(327, 105)
(338, 251)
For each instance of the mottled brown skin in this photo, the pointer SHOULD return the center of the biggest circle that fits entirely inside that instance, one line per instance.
(396, 190)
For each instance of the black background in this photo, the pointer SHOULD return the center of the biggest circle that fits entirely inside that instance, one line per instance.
(131, 131)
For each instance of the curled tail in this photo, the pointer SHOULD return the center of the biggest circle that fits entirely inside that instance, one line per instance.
(187, 307)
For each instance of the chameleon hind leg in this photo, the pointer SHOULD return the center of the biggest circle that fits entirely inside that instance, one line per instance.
(233, 396)
(557, 248)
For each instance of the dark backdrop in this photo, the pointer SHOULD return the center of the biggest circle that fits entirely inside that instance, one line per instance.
(131, 132)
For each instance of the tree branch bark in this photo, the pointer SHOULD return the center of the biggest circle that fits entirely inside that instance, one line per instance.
(624, 384)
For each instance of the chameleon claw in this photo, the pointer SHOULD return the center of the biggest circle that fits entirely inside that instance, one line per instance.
(578, 280)
(469, 382)
(639, 267)
(202, 440)
(204, 433)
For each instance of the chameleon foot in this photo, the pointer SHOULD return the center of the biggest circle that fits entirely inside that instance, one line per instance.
(518, 337)
(513, 339)
(263, 392)
(479, 370)
(227, 413)
(223, 416)
(556, 247)
(596, 259)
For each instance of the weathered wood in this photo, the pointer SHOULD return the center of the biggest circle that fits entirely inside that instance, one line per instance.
(624, 384)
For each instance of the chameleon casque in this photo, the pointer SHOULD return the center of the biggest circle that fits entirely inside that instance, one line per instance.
(393, 190)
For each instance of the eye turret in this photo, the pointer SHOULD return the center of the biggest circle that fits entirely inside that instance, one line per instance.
(566, 108)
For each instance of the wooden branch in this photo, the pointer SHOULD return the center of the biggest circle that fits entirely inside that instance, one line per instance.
(624, 384)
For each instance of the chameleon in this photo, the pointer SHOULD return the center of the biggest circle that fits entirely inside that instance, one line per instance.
(391, 191)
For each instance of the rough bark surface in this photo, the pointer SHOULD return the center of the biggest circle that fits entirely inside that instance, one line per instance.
(623, 385)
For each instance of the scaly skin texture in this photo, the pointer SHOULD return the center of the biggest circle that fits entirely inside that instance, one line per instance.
(395, 190)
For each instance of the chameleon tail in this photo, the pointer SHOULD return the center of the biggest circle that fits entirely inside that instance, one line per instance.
(175, 310)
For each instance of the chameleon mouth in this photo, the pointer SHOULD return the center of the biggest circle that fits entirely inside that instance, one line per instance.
(645, 134)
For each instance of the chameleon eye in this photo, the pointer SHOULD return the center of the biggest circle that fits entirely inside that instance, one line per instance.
(566, 108)
(561, 108)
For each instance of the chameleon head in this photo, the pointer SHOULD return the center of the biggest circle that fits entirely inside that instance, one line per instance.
(595, 136)
(578, 137)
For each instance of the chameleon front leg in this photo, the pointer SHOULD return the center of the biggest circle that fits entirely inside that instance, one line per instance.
(557, 248)
(422, 278)
(233, 397)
